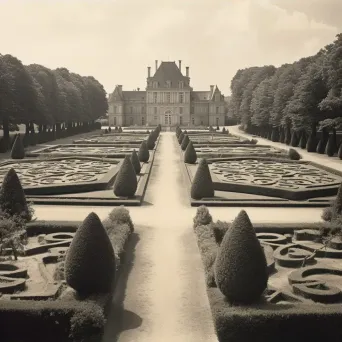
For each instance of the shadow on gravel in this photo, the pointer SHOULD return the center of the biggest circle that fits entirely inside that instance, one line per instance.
(118, 318)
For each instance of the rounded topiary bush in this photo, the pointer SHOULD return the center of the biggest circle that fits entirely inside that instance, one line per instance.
(150, 142)
(190, 155)
(180, 137)
(143, 153)
(294, 155)
(125, 184)
(240, 268)
(89, 266)
(185, 142)
(135, 162)
(202, 184)
(18, 151)
(203, 216)
(12, 196)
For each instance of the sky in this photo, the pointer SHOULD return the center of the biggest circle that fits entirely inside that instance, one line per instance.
(115, 40)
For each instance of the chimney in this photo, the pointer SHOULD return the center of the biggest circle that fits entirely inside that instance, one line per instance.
(156, 65)
(187, 71)
(180, 65)
(148, 71)
(138, 89)
(211, 88)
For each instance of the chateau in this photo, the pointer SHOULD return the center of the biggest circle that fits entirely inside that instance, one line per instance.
(168, 100)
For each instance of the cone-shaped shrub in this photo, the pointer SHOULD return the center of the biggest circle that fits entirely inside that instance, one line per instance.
(274, 136)
(202, 184)
(185, 132)
(282, 136)
(143, 153)
(294, 139)
(135, 162)
(125, 184)
(311, 144)
(339, 153)
(12, 140)
(150, 142)
(287, 135)
(330, 149)
(180, 138)
(321, 146)
(109, 129)
(178, 133)
(18, 151)
(223, 129)
(106, 131)
(90, 260)
(269, 135)
(240, 268)
(12, 196)
(120, 130)
(185, 142)
(302, 141)
(337, 205)
(190, 155)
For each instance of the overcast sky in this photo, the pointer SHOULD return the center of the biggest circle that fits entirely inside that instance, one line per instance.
(115, 40)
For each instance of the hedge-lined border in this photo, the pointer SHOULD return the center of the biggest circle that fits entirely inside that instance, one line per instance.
(42, 190)
(53, 313)
(222, 202)
(259, 323)
(137, 200)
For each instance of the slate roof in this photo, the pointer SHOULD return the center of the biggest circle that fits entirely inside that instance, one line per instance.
(200, 95)
(134, 95)
(168, 71)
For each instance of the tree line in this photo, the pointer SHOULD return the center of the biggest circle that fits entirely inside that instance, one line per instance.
(54, 100)
(293, 101)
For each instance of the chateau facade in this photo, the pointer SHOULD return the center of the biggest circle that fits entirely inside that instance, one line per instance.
(168, 100)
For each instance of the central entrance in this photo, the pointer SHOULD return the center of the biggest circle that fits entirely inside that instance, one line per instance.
(168, 118)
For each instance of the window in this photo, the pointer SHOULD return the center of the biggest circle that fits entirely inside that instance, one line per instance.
(155, 97)
(217, 121)
(192, 110)
(155, 118)
(131, 109)
(217, 97)
(168, 84)
(114, 109)
(181, 84)
(155, 84)
(181, 120)
(114, 98)
(155, 110)
(143, 121)
(114, 120)
(181, 97)
(217, 110)
(168, 97)
(131, 120)
(143, 110)
(180, 110)
(193, 120)
(201, 123)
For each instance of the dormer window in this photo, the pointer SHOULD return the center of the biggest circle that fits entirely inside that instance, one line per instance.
(155, 84)
(181, 84)
(168, 84)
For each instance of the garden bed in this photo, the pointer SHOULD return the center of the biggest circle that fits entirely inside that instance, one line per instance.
(250, 181)
(45, 308)
(117, 138)
(300, 303)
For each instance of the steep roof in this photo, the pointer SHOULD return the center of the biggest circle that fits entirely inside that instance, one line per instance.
(200, 95)
(134, 95)
(168, 71)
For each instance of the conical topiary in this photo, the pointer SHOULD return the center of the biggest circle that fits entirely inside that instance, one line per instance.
(89, 266)
(12, 196)
(337, 205)
(287, 139)
(311, 144)
(125, 184)
(223, 129)
(190, 155)
(18, 151)
(302, 141)
(178, 133)
(109, 129)
(143, 153)
(119, 129)
(185, 142)
(150, 142)
(294, 139)
(339, 153)
(180, 138)
(202, 184)
(135, 162)
(330, 148)
(240, 268)
(321, 146)
(282, 135)
(274, 136)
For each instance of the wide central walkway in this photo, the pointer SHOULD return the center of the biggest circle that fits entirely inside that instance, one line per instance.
(165, 290)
